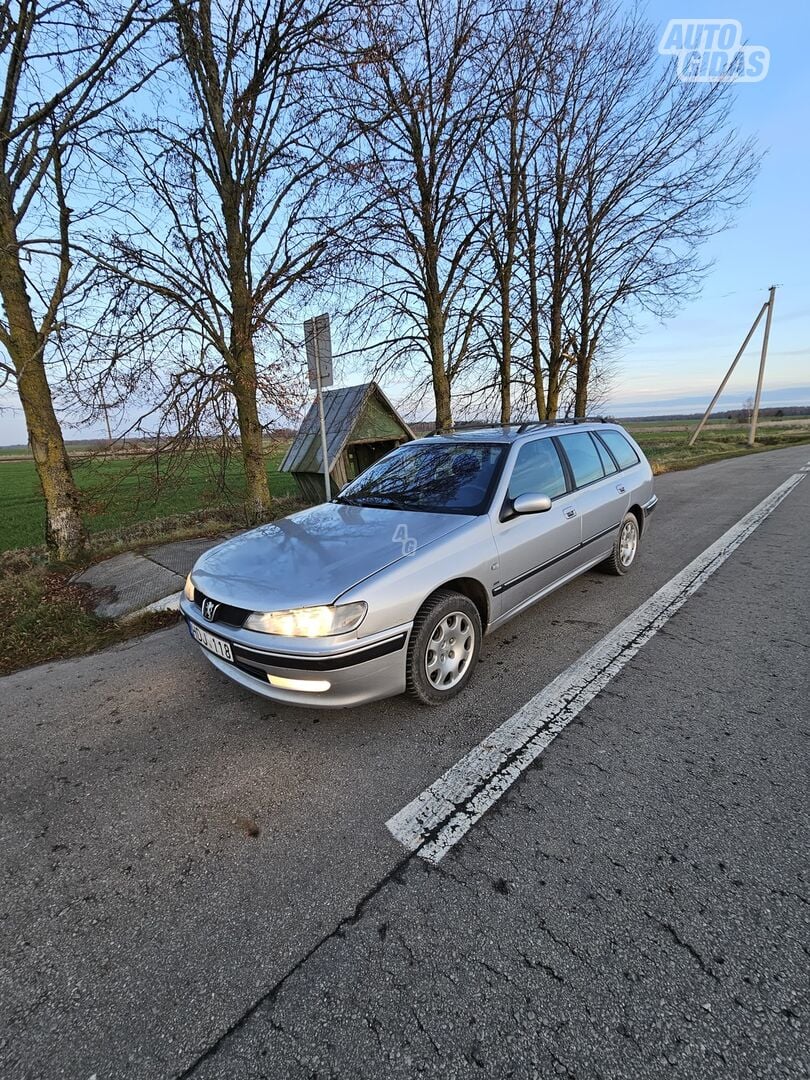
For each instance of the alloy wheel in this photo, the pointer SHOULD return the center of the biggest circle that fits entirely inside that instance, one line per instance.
(449, 650)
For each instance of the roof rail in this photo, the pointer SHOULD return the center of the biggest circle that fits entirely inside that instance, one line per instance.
(564, 420)
(526, 425)
(469, 425)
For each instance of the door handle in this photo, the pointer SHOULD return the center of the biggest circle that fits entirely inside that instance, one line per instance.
(570, 512)
(621, 489)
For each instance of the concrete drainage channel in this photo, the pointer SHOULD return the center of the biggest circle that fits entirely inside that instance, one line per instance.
(131, 585)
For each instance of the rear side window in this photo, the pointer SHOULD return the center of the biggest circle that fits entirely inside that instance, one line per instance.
(581, 452)
(608, 464)
(620, 448)
(538, 470)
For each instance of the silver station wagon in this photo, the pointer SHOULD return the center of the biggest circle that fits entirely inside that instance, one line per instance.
(392, 585)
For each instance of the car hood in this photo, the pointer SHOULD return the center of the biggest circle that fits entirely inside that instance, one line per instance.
(314, 556)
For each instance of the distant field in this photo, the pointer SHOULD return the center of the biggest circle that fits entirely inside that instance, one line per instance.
(121, 492)
(125, 491)
(23, 451)
(665, 442)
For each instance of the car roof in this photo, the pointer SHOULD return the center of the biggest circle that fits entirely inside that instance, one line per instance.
(510, 433)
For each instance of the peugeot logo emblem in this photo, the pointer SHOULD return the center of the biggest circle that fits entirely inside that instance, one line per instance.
(209, 609)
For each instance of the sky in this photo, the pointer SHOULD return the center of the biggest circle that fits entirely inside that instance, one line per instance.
(677, 366)
(685, 360)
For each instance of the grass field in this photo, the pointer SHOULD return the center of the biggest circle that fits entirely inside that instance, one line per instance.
(665, 441)
(120, 493)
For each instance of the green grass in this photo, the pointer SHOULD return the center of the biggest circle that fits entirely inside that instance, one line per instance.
(121, 492)
(665, 441)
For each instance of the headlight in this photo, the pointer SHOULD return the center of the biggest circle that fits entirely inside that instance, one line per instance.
(188, 589)
(309, 621)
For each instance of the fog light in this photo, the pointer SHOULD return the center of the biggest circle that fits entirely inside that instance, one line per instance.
(312, 686)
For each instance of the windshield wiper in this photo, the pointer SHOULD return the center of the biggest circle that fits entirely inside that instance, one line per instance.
(384, 502)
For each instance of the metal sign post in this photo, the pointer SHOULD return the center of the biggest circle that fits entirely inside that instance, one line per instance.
(318, 339)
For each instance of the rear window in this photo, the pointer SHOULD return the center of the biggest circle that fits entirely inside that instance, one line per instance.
(620, 448)
(583, 456)
(608, 464)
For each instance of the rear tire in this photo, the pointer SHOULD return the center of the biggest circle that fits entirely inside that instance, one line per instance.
(443, 648)
(625, 547)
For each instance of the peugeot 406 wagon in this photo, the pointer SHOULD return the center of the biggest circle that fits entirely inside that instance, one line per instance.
(391, 586)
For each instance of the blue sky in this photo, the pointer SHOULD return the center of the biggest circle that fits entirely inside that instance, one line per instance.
(770, 244)
(678, 366)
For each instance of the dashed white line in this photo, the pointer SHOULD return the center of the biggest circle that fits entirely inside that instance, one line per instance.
(444, 812)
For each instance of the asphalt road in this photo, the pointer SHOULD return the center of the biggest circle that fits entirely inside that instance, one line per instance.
(195, 881)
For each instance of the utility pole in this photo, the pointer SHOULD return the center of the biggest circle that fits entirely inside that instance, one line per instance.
(106, 412)
(768, 305)
(752, 434)
(727, 376)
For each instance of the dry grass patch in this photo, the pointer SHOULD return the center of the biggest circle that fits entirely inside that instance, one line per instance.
(46, 617)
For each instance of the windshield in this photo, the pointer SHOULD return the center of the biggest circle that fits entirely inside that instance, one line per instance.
(432, 476)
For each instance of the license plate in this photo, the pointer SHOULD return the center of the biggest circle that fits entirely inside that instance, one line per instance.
(208, 641)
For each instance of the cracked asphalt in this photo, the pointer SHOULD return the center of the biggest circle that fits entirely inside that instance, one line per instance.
(198, 883)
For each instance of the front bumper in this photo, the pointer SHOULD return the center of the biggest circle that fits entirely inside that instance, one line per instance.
(320, 673)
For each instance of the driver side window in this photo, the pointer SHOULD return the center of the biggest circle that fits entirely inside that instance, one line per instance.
(538, 470)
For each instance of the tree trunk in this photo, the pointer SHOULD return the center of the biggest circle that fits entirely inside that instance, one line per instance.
(586, 344)
(506, 353)
(552, 396)
(530, 229)
(434, 315)
(584, 357)
(257, 489)
(581, 395)
(555, 351)
(534, 326)
(242, 361)
(64, 530)
(441, 382)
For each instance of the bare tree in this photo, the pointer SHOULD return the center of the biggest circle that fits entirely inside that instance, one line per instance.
(662, 169)
(744, 412)
(640, 170)
(62, 68)
(512, 144)
(230, 213)
(549, 189)
(420, 104)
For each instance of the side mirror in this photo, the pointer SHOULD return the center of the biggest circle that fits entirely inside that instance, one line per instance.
(531, 503)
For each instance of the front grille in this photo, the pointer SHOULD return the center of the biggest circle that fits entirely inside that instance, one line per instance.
(225, 613)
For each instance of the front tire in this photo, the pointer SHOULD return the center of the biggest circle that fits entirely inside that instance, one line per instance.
(443, 648)
(625, 547)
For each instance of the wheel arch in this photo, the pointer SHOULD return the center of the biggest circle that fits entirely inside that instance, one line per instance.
(473, 590)
(638, 514)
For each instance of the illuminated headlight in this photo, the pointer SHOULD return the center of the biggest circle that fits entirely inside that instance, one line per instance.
(309, 621)
(188, 589)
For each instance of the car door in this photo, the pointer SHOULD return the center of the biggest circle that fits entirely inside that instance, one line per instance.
(535, 549)
(603, 497)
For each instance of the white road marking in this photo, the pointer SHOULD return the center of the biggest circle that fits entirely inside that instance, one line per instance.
(444, 812)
